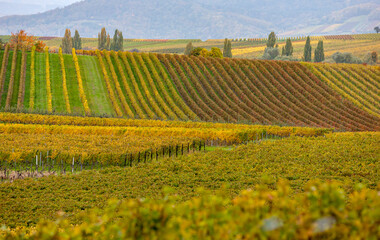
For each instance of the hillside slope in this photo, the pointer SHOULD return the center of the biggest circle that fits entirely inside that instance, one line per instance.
(202, 19)
(177, 87)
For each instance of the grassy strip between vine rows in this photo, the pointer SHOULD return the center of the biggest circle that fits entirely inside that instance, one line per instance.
(346, 158)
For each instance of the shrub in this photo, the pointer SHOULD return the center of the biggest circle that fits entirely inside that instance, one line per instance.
(339, 57)
(271, 53)
(370, 58)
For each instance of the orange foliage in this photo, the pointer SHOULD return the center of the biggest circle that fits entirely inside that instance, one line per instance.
(21, 38)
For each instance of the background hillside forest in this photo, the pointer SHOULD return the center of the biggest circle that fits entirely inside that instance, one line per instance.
(204, 19)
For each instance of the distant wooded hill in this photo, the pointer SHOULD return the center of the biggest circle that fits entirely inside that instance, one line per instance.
(204, 19)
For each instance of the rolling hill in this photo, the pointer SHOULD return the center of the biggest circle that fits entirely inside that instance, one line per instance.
(177, 87)
(201, 19)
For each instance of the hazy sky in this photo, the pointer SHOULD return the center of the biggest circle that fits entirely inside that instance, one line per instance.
(12, 7)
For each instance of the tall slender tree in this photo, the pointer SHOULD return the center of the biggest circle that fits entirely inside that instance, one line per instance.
(114, 42)
(102, 39)
(189, 48)
(319, 54)
(227, 52)
(108, 42)
(117, 41)
(77, 41)
(288, 50)
(120, 44)
(67, 43)
(271, 40)
(307, 51)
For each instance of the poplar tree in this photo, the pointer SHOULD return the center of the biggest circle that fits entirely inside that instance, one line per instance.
(319, 54)
(114, 43)
(307, 51)
(67, 44)
(120, 43)
(227, 52)
(102, 39)
(288, 50)
(271, 40)
(77, 40)
(108, 42)
(229, 49)
(189, 48)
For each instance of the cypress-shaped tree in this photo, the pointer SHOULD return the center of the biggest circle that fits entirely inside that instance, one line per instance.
(77, 40)
(120, 43)
(229, 49)
(271, 40)
(283, 51)
(102, 39)
(67, 43)
(227, 52)
(114, 41)
(225, 47)
(288, 48)
(189, 48)
(319, 54)
(108, 42)
(307, 51)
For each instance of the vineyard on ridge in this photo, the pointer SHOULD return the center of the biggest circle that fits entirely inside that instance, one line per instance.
(177, 87)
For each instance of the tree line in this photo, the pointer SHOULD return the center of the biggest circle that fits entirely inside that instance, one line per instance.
(272, 51)
(104, 41)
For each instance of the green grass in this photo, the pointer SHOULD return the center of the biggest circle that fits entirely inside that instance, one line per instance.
(72, 85)
(1, 57)
(94, 86)
(41, 91)
(27, 81)
(16, 85)
(59, 104)
(348, 158)
(6, 80)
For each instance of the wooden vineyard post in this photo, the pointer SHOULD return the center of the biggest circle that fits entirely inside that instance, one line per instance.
(182, 149)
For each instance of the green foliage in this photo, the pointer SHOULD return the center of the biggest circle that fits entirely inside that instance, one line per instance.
(287, 58)
(288, 49)
(307, 51)
(104, 40)
(227, 49)
(117, 41)
(371, 58)
(77, 41)
(321, 213)
(319, 54)
(189, 48)
(215, 52)
(346, 157)
(271, 40)
(345, 58)
(270, 53)
(67, 43)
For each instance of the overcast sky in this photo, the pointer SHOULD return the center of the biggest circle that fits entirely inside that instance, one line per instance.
(20, 7)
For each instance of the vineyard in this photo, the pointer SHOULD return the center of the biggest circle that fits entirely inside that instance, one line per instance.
(191, 147)
(350, 159)
(177, 87)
